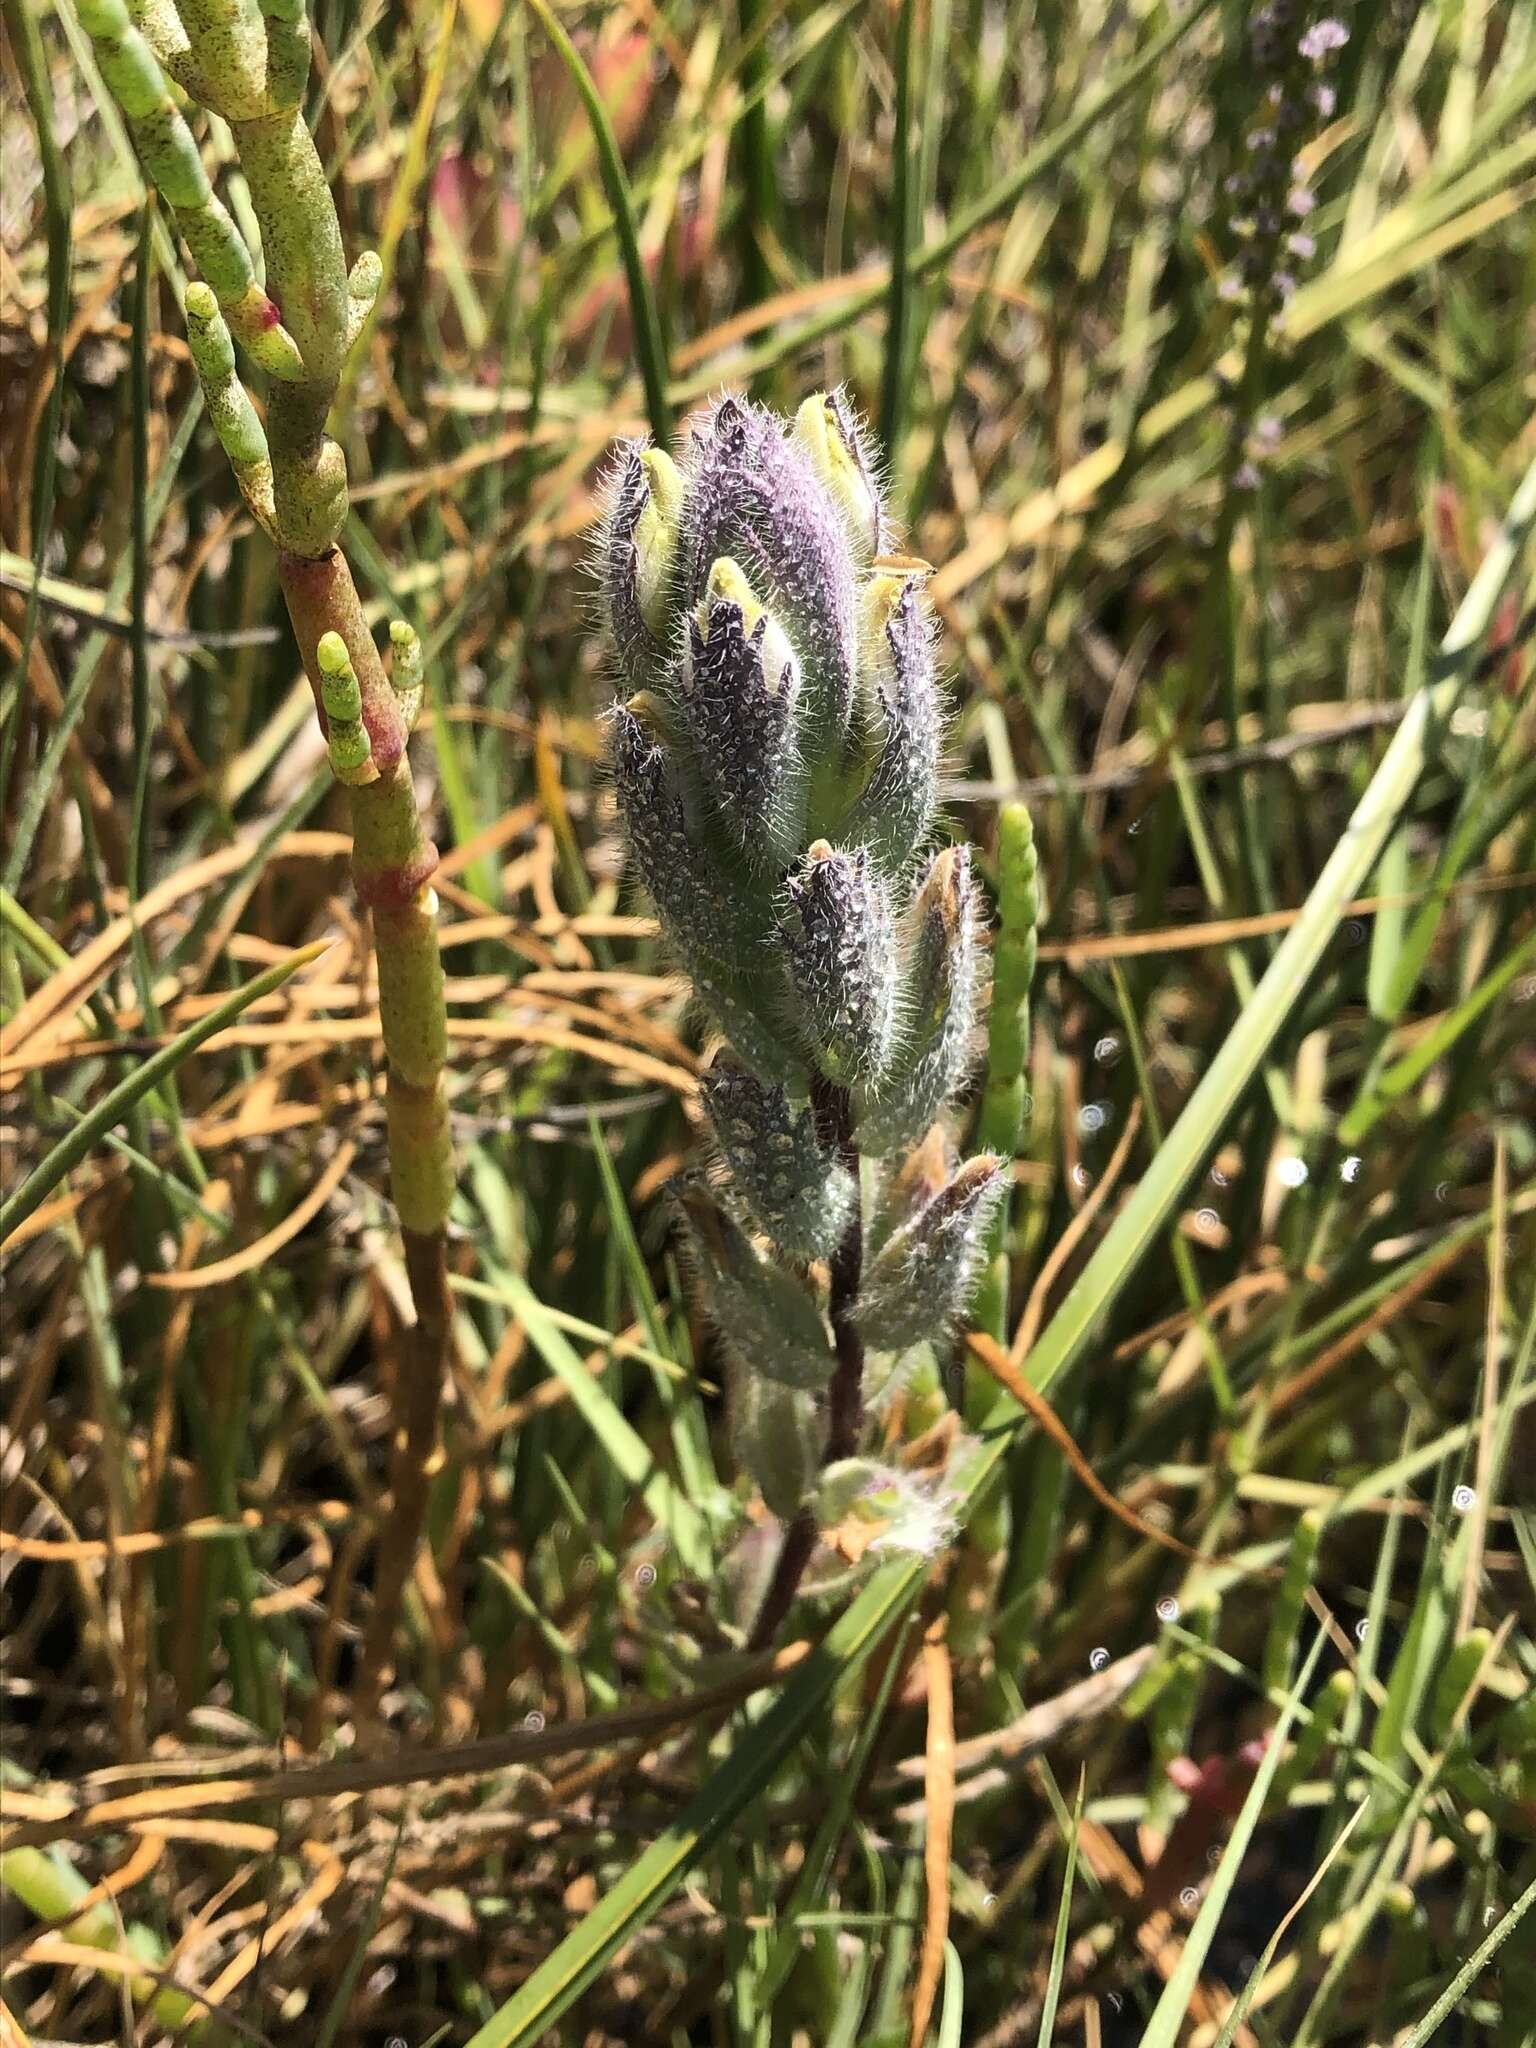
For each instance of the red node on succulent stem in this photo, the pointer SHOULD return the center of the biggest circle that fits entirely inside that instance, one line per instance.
(396, 888)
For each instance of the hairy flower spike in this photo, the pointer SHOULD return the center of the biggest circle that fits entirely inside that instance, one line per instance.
(920, 1280)
(776, 770)
(797, 1191)
(841, 951)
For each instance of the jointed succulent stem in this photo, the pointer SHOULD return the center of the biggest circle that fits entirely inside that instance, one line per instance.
(248, 62)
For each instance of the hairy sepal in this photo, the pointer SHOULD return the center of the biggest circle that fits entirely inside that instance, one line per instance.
(840, 949)
(919, 1283)
(940, 973)
(766, 1319)
(795, 1189)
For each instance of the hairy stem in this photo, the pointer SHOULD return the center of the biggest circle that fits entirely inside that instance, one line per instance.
(845, 1395)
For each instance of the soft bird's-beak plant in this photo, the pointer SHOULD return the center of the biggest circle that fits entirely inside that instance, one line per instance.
(248, 63)
(775, 757)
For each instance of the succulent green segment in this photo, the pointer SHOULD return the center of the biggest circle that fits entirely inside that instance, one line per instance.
(247, 61)
(775, 754)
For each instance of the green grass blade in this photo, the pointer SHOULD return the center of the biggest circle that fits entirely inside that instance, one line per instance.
(1206, 1113)
(1047, 2034)
(893, 381)
(564, 1975)
(1172, 2009)
(1471, 1970)
(672, 1509)
(117, 1102)
(649, 339)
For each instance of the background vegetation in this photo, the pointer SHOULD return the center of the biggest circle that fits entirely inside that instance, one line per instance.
(1190, 591)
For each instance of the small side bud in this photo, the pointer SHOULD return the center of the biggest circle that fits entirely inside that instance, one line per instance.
(638, 547)
(341, 699)
(362, 291)
(828, 429)
(240, 432)
(840, 945)
(894, 812)
(919, 1283)
(941, 955)
(764, 1316)
(740, 690)
(407, 670)
(777, 1434)
(796, 1190)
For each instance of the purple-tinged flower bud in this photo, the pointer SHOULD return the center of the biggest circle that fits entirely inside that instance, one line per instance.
(1322, 39)
(777, 1435)
(840, 947)
(918, 1284)
(740, 690)
(941, 949)
(764, 1316)
(637, 550)
(701, 912)
(1325, 99)
(1301, 201)
(828, 429)
(796, 1190)
(894, 812)
(1301, 246)
(753, 495)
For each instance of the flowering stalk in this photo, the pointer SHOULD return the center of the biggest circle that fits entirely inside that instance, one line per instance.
(248, 63)
(775, 758)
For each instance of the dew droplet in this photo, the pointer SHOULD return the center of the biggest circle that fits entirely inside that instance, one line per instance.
(534, 1722)
(1189, 1898)
(1092, 1117)
(1462, 1499)
(1167, 1608)
(1097, 1659)
(1107, 1049)
(645, 1575)
(1349, 1169)
(1208, 1219)
(1362, 1629)
(1291, 1171)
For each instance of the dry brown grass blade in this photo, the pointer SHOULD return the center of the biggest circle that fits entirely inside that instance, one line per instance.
(997, 1362)
(379, 1774)
(69, 985)
(939, 1826)
(273, 1240)
(1071, 1237)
